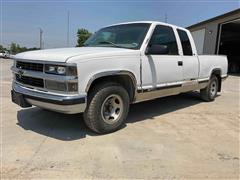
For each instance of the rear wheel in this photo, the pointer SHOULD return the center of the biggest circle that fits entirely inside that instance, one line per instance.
(107, 108)
(210, 92)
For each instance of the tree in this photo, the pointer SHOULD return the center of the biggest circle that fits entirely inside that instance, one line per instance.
(16, 48)
(83, 35)
(2, 48)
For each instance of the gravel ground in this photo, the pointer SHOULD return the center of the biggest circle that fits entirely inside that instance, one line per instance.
(172, 137)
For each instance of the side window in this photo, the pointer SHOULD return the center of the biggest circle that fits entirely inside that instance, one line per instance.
(186, 45)
(164, 35)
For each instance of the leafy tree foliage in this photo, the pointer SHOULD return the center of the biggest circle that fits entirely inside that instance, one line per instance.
(16, 48)
(2, 48)
(82, 35)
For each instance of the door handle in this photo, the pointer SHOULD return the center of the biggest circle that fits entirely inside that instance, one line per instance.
(180, 63)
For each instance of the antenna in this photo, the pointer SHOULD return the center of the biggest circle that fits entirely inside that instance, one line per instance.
(166, 18)
(40, 40)
(68, 14)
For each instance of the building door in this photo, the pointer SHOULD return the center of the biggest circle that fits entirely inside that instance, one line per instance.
(229, 43)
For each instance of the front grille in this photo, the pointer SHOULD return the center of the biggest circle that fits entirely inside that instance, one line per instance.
(30, 81)
(29, 66)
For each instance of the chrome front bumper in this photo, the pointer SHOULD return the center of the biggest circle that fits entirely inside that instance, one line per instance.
(68, 104)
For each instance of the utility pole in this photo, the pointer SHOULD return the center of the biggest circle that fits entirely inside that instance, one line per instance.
(68, 14)
(40, 40)
(166, 18)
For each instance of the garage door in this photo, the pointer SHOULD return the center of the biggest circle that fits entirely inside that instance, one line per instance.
(229, 44)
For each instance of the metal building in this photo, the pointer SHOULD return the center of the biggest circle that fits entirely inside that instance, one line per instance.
(220, 35)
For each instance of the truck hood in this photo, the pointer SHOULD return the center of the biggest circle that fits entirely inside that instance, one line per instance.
(64, 54)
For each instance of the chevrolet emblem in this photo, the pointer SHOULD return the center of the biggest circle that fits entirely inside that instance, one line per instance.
(20, 73)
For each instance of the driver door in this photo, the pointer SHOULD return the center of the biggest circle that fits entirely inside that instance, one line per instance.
(162, 71)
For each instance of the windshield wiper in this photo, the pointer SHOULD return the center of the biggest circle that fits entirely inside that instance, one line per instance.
(109, 42)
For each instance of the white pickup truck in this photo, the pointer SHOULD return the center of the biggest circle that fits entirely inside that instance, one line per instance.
(118, 65)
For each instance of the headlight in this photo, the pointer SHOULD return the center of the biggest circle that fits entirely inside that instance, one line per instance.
(61, 70)
(69, 73)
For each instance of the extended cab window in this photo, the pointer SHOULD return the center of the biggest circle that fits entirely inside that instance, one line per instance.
(186, 45)
(164, 35)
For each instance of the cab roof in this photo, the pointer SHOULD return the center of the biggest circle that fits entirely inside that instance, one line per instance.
(147, 22)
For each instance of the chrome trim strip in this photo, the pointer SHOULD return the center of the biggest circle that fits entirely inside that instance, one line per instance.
(158, 88)
(168, 85)
(203, 79)
(43, 90)
(168, 89)
(49, 96)
(45, 76)
(157, 93)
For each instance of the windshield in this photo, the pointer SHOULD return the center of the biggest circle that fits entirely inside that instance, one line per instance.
(128, 36)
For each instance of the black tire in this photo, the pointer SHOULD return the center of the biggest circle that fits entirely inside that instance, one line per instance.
(210, 92)
(100, 96)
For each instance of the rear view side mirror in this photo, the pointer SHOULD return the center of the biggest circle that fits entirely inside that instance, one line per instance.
(157, 49)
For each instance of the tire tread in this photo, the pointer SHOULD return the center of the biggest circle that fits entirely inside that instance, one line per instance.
(90, 118)
(205, 93)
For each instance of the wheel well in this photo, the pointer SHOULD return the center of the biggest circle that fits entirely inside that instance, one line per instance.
(217, 73)
(124, 80)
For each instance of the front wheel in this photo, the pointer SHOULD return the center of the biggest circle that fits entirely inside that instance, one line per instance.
(107, 108)
(210, 92)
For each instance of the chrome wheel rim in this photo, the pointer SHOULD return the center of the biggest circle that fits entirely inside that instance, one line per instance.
(112, 109)
(213, 88)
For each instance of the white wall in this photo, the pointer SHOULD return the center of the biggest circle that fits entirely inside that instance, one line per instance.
(198, 37)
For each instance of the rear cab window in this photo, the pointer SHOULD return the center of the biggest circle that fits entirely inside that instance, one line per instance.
(186, 45)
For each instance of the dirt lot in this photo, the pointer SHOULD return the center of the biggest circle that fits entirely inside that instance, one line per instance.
(173, 137)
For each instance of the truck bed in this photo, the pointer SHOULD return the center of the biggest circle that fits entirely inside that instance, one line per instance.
(209, 62)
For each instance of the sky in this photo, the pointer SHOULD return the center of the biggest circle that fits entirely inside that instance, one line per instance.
(20, 20)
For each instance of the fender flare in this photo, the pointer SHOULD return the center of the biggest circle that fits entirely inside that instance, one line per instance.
(216, 70)
(111, 73)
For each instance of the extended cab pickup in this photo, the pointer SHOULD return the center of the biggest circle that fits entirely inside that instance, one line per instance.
(118, 65)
